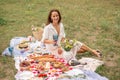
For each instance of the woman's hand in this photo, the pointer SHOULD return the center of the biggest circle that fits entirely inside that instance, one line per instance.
(60, 51)
(63, 39)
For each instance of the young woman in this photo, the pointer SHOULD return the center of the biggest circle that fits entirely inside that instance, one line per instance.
(54, 33)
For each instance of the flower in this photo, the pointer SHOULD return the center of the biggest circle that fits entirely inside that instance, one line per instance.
(68, 44)
(34, 29)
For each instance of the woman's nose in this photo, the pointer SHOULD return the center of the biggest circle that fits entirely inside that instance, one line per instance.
(56, 17)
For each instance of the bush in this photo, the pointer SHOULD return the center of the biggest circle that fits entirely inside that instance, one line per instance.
(3, 22)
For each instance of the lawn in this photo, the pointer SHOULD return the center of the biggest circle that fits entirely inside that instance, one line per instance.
(93, 22)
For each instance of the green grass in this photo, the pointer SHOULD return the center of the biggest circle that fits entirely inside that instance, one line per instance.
(94, 22)
(3, 22)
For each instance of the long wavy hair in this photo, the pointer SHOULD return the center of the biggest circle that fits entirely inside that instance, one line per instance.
(49, 20)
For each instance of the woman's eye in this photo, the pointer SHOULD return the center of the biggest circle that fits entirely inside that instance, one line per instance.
(57, 15)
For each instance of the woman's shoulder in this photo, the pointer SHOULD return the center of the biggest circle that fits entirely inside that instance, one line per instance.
(61, 24)
(47, 26)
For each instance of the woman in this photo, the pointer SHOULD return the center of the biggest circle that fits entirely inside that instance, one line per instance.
(54, 28)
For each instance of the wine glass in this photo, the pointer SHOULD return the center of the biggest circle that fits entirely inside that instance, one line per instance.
(55, 38)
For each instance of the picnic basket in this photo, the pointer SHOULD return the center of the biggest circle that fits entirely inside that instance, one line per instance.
(37, 33)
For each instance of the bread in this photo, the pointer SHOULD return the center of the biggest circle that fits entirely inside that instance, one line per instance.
(43, 59)
(23, 45)
(25, 65)
(42, 56)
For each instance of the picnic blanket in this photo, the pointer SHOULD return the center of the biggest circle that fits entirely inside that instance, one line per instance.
(79, 72)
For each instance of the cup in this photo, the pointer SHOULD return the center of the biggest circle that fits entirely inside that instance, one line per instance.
(55, 38)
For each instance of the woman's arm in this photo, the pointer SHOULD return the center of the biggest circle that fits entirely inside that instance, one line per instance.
(46, 41)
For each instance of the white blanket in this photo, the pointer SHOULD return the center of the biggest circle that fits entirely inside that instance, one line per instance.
(90, 63)
(86, 69)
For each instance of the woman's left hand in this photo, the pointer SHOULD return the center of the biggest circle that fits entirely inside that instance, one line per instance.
(60, 51)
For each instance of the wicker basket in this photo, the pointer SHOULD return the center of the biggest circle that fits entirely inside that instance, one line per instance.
(37, 33)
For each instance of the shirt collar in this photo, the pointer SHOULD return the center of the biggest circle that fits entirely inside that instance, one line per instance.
(51, 27)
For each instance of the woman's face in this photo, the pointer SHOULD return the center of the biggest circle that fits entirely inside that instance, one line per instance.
(55, 17)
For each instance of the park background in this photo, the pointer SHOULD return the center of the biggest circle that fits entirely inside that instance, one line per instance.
(93, 22)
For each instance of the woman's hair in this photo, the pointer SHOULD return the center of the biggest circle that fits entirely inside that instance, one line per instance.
(49, 20)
